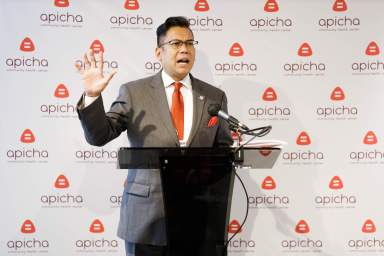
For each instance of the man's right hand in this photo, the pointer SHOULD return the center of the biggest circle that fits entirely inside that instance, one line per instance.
(92, 74)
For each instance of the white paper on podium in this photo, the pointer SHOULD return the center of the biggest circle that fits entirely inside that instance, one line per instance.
(266, 143)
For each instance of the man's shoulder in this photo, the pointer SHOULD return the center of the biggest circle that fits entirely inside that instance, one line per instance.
(207, 87)
(141, 81)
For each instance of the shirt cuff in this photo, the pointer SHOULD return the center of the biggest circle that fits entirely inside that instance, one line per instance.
(89, 100)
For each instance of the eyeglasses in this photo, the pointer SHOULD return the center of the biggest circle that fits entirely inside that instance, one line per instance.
(176, 44)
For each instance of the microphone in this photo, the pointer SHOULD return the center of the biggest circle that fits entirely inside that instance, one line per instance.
(214, 110)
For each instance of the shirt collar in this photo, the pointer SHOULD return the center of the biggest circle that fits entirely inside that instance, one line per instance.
(168, 81)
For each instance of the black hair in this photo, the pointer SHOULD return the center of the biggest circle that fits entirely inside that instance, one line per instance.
(170, 22)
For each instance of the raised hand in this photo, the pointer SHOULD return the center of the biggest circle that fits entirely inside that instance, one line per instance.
(93, 75)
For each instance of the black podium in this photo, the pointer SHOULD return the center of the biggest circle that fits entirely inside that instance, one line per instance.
(197, 188)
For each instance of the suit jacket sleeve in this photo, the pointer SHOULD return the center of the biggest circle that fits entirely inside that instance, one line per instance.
(100, 127)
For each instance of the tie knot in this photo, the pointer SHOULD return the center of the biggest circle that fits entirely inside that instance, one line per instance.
(177, 85)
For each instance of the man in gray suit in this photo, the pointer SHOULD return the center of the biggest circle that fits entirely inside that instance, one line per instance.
(168, 109)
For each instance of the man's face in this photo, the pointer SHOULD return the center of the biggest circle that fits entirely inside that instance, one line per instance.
(177, 62)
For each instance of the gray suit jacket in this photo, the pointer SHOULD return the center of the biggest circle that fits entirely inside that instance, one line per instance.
(142, 110)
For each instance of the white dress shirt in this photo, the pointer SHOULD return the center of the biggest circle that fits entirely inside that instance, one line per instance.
(186, 91)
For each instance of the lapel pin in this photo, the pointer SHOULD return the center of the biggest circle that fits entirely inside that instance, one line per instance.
(201, 97)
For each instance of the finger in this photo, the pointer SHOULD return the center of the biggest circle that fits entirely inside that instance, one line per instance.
(110, 75)
(92, 58)
(87, 64)
(101, 61)
(79, 67)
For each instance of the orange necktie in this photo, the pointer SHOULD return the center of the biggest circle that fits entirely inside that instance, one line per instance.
(177, 110)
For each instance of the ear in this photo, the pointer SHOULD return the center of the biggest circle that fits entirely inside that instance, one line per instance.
(158, 53)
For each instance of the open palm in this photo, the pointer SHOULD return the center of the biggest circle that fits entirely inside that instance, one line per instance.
(94, 79)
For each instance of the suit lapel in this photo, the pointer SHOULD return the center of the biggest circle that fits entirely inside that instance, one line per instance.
(199, 100)
(160, 105)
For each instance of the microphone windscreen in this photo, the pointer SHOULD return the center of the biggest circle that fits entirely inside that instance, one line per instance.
(213, 109)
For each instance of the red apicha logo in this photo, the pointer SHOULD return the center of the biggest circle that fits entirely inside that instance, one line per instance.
(303, 139)
(370, 138)
(236, 50)
(61, 91)
(269, 183)
(27, 136)
(27, 227)
(269, 94)
(368, 227)
(97, 46)
(96, 227)
(27, 45)
(302, 227)
(131, 5)
(61, 3)
(337, 94)
(265, 152)
(372, 49)
(340, 6)
(234, 227)
(271, 6)
(336, 183)
(235, 136)
(305, 50)
(202, 6)
(61, 182)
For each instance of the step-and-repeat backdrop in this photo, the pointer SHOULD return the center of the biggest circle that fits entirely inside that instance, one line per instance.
(312, 69)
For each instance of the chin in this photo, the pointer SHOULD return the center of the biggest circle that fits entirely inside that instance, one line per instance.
(183, 73)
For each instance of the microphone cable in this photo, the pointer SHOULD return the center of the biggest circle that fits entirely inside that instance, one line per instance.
(246, 213)
(262, 132)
